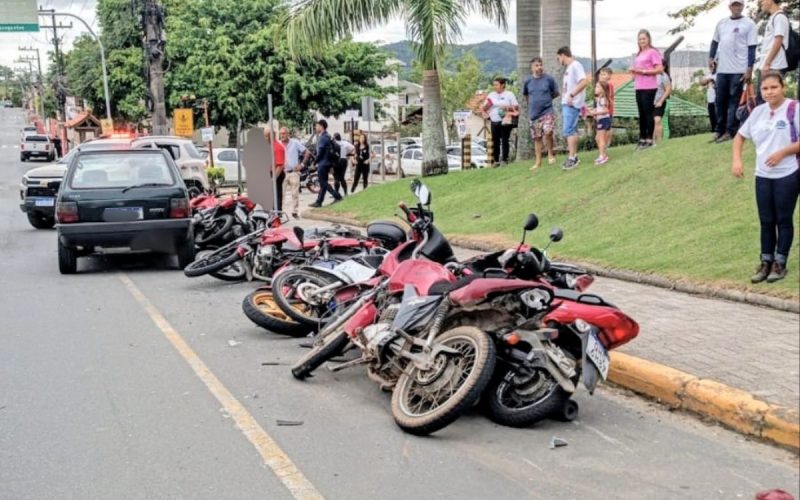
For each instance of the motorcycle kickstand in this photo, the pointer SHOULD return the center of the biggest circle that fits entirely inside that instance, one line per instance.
(348, 364)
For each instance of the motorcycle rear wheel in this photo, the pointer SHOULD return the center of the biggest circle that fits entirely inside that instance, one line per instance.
(219, 227)
(417, 405)
(517, 398)
(215, 261)
(285, 290)
(259, 306)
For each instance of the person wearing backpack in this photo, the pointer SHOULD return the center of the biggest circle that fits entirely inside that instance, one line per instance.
(327, 157)
(773, 53)
(773, 128)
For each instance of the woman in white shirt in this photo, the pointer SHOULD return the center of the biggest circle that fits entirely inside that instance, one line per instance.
(773, 127)
(501, 106)
(709, 81)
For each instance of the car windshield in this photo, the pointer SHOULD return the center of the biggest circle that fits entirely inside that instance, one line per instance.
(193, 152)
(121, 170)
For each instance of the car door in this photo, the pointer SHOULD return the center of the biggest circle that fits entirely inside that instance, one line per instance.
(412, 162)
(227, 159)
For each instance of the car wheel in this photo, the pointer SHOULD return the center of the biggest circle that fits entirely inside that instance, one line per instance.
(40, 221)
(51, 158)
(186, 253)
(67, 260)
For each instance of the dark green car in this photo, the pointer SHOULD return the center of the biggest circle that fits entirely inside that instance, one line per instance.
(131, 199)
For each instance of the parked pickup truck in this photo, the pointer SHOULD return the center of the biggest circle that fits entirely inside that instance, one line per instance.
(37, 146)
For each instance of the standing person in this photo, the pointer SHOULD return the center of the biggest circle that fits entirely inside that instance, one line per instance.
(772, 51)
(605, 76)
(501, 105)
(662, 96)
(278, 174)
(541, 89)
(572, 101)
(773, 127)
(709, 81)
(363, 157)
(346, 150)
(646, 67)
(602, 114)
(325, 150)
(294, 149)
(734, 49)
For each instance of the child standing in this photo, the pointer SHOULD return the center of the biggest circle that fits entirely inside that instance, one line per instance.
(605, 76)
(602, 114)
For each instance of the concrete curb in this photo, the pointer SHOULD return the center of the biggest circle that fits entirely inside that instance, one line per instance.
(733, 408)
(710, 292)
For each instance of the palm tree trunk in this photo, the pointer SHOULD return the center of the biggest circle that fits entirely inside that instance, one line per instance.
(434, 156)
(556, 33)
(529, 32)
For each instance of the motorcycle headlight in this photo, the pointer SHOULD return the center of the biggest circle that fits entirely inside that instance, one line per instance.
(570, 280)
(582, 326)
(537, 298)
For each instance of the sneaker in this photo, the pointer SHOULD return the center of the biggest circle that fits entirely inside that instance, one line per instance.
(640, 146)
(315, 205)
(723, 138)
(601, 160)
(570, 164)
(576, 161)
(762, 272)
(715, 138)
(778, 272)
(336, 200)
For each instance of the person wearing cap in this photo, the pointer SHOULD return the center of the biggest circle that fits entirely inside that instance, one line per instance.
(734, 49)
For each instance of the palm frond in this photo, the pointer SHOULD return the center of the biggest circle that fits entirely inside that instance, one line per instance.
(434, 24)
(493, 10)
(310, 25)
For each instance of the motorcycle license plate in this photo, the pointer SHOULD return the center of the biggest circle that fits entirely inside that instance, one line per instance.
(44, 202)
(598, 355)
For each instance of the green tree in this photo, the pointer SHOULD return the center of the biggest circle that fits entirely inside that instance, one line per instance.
(433, 24)
(688, 14)
(84, 74)
(459, 86)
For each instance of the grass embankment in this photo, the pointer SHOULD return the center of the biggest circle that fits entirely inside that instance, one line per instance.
(673, 210)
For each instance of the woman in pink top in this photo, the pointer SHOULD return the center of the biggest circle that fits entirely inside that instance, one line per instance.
(646, 67)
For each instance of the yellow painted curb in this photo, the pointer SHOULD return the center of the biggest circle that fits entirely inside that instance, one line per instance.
(733, 408)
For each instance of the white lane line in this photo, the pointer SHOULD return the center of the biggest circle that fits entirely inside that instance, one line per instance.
(274, 457)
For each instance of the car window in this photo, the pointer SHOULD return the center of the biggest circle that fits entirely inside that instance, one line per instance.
(173, 150)
(37, 138)
(227, 156)
(417, 154)
(408, 154)
(120, 170)
(192, 151)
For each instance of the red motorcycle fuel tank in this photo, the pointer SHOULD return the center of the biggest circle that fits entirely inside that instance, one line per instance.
(393, 258)
(420, 273)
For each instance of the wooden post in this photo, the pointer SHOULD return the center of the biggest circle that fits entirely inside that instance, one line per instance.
(466, 152)
(489, 147)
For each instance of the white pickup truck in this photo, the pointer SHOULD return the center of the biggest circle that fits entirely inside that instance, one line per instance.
(37, 146)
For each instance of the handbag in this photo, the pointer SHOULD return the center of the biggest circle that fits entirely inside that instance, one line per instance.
(746, 103)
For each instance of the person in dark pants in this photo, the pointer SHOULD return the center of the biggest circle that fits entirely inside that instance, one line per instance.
(647, 65)
(340, 170)
(733, 48)
(363, 157)
(324, 151)
(773, 127)
(709, 81)
(502, 105)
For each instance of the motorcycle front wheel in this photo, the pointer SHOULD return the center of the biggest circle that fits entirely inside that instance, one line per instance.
(212, 262)
(290, 289)
(520, 396)
(260, 308)
(427, 401)
(218, 228)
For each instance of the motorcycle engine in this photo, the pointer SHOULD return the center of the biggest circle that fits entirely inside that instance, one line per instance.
(376, 337)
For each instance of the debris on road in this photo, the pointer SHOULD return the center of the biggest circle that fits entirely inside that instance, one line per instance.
(271, 363)
(289, 423)
(557, 442)
(234, 343)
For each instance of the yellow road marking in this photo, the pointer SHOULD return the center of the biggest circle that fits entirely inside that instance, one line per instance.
(274, 457)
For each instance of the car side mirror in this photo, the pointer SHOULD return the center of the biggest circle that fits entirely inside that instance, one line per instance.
(532, 222)
(556, 235)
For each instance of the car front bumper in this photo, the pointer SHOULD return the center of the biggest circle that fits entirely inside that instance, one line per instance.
(164, 235)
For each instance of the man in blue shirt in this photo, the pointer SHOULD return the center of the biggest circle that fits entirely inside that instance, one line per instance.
(294, 149)
(541, 89)
(324, 165)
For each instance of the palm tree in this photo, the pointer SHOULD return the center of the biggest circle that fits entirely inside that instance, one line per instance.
(556, 33)
(529, 31)
(432, 24)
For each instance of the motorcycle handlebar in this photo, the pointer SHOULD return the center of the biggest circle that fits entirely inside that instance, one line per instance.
(409, 215)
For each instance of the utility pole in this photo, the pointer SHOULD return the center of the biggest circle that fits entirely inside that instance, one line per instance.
(154, 41)
(58, 85)
(39, 80)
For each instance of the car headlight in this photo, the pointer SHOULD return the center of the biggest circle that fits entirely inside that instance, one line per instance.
(25, 181)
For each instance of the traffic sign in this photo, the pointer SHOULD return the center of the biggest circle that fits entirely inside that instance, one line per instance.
(18, 15)
(183, 122)
(207, 134)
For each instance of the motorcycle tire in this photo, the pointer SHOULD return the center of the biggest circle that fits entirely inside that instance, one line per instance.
(220, 226)
(260, 308)
(293, 306)
(313, 184)
(329, 348)
(234, 272)
(465, 395)
(215, 261)
(509, 398)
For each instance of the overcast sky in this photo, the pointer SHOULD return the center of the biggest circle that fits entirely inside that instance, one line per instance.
(617, 24)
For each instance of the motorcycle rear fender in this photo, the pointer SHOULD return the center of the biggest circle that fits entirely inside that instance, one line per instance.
(534, 340)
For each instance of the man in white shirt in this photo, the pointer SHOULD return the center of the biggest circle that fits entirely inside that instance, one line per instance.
(572, 100)
(734, 50)
(346, 150)
(772, 51)
(294, 149)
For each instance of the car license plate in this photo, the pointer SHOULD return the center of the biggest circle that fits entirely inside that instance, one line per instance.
(123, 214)
(44, 202)
(598, 355)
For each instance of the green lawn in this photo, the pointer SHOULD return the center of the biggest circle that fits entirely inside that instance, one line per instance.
(673, 210)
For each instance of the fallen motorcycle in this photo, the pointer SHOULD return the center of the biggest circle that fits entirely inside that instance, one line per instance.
(217, 221)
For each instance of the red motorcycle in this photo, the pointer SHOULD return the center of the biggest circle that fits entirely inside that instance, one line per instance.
(219, 220)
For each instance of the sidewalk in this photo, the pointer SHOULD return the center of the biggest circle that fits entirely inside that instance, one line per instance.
(749, 348)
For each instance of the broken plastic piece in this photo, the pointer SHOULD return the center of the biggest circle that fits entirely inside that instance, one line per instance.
(557, 442)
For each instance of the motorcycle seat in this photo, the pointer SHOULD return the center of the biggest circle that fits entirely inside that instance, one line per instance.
(585, 298)
(444, 287)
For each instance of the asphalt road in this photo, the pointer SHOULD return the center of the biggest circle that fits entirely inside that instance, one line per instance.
(121, 382)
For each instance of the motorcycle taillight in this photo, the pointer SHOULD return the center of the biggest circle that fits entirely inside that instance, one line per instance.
(583, 282)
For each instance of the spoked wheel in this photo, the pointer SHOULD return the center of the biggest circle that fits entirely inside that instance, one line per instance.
(215, 230)
(296, 293)
(521, 396)
(213, 261)
(234, 272)
(426, 401)
(260, 307)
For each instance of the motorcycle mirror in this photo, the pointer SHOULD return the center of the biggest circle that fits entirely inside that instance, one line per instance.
(556, 234)
(423, 194)
(415, 185)
(300, 234)
(532, 222)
